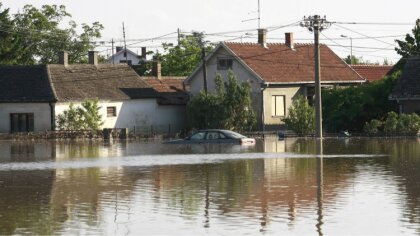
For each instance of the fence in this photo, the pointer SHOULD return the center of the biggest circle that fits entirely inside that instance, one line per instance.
(164, 130)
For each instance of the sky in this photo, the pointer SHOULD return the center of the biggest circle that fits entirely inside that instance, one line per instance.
(149, 23)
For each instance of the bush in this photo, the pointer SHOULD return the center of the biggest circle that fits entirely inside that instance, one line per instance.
(372, 127)
(301, 117)
(229, 107)
(86, 117)
(404, 124)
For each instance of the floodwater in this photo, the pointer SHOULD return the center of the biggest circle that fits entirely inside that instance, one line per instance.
(287, 187)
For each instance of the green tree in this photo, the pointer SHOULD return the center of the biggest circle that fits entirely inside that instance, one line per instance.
(37, 36)
(86, 117)
(411, 45)
(350, 108)
(182, 59)
(229, 107)
(301, 117)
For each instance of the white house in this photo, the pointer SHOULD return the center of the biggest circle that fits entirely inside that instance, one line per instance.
(126, 56)
(277, 73)
(32, 96)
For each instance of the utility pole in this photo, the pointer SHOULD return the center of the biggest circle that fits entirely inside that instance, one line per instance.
(203, 58)
(125, 46)
(179, 36)
(112, 51)
(316, 24)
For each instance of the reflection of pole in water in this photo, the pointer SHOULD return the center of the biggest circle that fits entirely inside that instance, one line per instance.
(207, 200)
(320, 185)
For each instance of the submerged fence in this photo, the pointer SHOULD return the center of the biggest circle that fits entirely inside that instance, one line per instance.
(165, 130)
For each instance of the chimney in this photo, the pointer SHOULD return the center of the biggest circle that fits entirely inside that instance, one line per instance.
(143, 53)
(63, 58)
(156, 69)
(93, 58)
(262, 37)
(118, 48)
(289, 40)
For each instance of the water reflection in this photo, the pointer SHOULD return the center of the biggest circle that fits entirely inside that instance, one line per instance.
(267, 194)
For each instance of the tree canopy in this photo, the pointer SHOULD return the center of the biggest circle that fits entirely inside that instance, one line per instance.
(411, 45)
(34, 36)
(182, 59)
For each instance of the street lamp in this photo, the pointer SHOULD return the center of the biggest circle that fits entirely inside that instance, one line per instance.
(351, 46)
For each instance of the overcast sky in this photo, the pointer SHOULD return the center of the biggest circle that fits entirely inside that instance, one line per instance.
(153, 18)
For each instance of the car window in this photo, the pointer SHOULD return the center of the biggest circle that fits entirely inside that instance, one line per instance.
(222, 136)
(198, 136)
(212, 135)
(232, 134)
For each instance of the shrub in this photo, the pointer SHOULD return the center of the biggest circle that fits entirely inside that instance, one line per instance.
(372, 127)
(86, 117)
(301, 117)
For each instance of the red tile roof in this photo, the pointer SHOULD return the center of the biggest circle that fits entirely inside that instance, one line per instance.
(166, 83)
(279, 63)
(372, 72)
(170, 88)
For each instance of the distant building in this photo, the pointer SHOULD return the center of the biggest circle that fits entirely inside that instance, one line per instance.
(373, 72)
(126, 56)
(407, 90)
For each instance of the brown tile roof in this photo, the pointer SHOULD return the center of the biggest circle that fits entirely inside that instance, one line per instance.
(278, 63)
(170, 89)
(25, 84)
(408, 85)
(372, 72)
(104, 81)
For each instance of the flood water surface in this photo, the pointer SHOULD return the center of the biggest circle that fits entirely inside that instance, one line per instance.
(292, 187)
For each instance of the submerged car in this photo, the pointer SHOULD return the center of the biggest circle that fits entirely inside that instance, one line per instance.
(214, 136)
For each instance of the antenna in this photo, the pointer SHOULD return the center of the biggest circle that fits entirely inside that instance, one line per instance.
(125, 45)
(258, 17)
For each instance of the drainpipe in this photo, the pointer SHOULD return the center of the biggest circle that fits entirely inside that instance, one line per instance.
(52, 113)
(263, 107)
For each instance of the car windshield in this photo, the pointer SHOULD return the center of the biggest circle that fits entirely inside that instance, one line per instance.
(232, 134)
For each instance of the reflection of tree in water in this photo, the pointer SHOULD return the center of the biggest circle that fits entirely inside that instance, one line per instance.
(25, 202)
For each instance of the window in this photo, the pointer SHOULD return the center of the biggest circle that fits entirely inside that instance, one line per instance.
(224, 63)
(21, 122)
(198, 136)
(128, 62)
(111, 111)
(278, 105)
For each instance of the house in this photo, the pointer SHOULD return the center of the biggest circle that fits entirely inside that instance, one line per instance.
(32, 96)
(126, 56)
(278, 72)
(407, 89)
(373, 72)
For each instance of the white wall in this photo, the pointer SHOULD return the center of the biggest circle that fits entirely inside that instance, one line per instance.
(289, 92)
(140, 112)
(134, 58)
(42, 115)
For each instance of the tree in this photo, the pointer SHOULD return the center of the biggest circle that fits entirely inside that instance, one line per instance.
(301, 117)
(411, 45)
(182, 59)
(36, 36)
(350, 108)
(229, 107)
(86, 117)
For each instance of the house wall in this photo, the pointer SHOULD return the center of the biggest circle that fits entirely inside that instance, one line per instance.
(140, 112)
(41, 111)
(410, 106)
(290, 94)
(134, 58)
